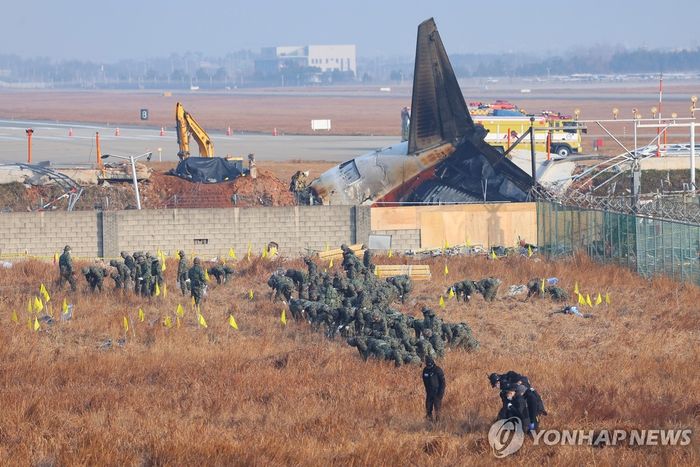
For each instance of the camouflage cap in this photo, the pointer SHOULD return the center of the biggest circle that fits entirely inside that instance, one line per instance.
(197, 260)
(66, 248)
(181, 252)
(113, 262)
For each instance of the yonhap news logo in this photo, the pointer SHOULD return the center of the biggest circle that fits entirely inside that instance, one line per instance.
(506, 437)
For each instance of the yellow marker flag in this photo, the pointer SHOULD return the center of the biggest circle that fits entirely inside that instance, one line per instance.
(142, 315)
(452, 292)
(576, 288)
(390, 253)
(529, 251)
(30, 308)
(15, 318)
(44, 293)
(200, 319)
(180, 311)
(493, 255)
(38, 306)
(442, 302)
(581, 301)
(36, 324)
(168, 322)
(55, 258)
(607, 298)
(232, 322)
(264, 253)
(157, 291)
(206, 275)
(283, 318)
(250, 294)
(598, 300)
(64, 307)
(588, 301)
(330, 263)
(445, 246)
(328, 248)
(466, 243)
(250, 249)
(542, 286)
(192, 304)
(126, 324)
(163, 263)
(447, 271)
(232, 253)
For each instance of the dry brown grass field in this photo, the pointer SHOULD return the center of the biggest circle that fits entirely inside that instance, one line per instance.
(273, 395)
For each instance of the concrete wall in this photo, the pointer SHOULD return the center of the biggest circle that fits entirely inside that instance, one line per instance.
(208, 232)
(45, 233)
(301, 229)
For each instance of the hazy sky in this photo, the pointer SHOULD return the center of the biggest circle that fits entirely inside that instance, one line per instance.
(115, 29)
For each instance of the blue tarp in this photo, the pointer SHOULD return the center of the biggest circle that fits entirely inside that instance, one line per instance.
(208, 169)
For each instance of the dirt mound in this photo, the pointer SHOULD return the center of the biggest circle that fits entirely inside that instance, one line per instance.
(167, 191)
(160, 191)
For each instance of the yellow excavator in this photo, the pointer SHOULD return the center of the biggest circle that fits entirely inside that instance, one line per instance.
(186, 126)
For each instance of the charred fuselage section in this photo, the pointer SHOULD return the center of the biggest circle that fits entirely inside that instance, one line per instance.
(445, 158)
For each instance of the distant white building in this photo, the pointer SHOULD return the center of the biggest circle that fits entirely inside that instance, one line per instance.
(324, 57)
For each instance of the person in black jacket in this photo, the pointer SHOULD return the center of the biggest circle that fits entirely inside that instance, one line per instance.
(535, 406)
(515, 406)
(434, 381)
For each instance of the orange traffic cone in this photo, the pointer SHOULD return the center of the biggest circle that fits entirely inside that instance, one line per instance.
(116, 132)
(162, 131)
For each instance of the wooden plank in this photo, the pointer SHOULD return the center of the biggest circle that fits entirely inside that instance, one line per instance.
(338, 253)
(414, 271)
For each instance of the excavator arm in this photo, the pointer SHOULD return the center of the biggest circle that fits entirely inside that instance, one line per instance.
(186, 125)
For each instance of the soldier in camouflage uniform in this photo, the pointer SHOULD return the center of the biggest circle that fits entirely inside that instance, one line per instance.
(402, 284)
(65, 269)
(300, 280)
(143, 284)
(313, 279)
(198, 283)
(221, 272)
(156, 275)
(94, 276)
(463, 290)
(488, 288)
(121, 275)
(423, 347)
(182, 270)
(367, 261)
(282, 286)
(461, 336)
(350, 261)
(130, 263)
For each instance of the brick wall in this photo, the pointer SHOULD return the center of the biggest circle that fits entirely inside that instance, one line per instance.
(209, 232)
(45, 233)
(404, 239)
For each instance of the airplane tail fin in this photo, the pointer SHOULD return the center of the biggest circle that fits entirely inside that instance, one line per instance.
(438, 111)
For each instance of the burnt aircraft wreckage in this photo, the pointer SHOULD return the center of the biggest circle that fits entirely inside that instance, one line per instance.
(445, 159)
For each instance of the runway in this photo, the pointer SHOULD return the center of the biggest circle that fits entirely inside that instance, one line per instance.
(51, 142)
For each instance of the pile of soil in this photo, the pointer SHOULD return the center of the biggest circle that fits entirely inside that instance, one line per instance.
(160, 191)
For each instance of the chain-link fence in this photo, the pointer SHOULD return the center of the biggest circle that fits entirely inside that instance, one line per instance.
(647, 245)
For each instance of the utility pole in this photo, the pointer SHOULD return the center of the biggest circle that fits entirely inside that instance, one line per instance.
(532, 151)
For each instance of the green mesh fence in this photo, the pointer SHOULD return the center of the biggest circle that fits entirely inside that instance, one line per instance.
(648, 246)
